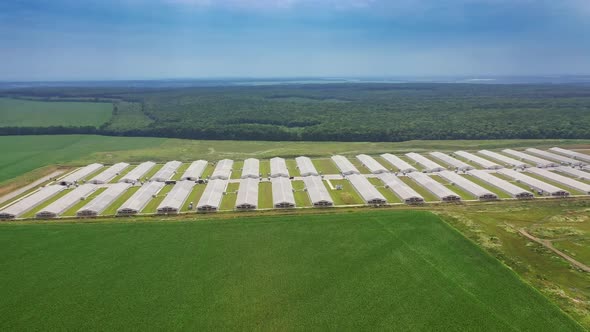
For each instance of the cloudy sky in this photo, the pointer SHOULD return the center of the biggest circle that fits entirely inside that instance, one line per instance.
(142, 39)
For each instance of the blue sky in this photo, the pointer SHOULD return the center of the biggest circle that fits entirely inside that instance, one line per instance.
(144, 39)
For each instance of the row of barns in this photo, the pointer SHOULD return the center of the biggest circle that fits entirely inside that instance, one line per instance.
(510, 171)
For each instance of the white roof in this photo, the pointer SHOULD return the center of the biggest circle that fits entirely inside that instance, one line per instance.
(366, 190)
(530, 181)
(282, 192)
(506, 160)
(195, 170)
(556, 157)
(456, 163)
(398, 163)
(31, 201)
(511, 189)
(141, 197)
(539, 162)
(248, 193)
(176, 197)
(564, 180)
(572, 154)
(574, 172)
(344, 165)
(440, 191)
(104, 199)
(222, 170)
(67, 201)
(109, 173)
(400, 188)
(138, 172)
(373, 165)
(81, 173)
(211, 198)
(278, 167)
(251, 168)
(479, 160)
(472, 188)
(166, 172)
(428, 164)
(317, 190)
(306, 167)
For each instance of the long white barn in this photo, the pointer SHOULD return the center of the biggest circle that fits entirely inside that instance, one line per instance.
(507, 187)
(453, 162)
(306, 167)
(138, 172)
(504, 159)
(539, 162)
(474, 189)
(140, 198)
(443, 193)
(401, 189)
(103, 200)
(366, 190)
(172, 203)
(564, 180)
(195, 170)
(30, 202)
(487, 164)
(344, 165)
(318, 194)
(572, 154)
(79, 174)
(537, 185)
(371, 164)
(398, 163)
(247, 198)
(282, 193)
(109, 174)
(578, 173)
(429, 165)
(278, 168)
(211, 199)
(559, 158)
(222, 170)
(166, 172)
(67, 201)
(251, 169)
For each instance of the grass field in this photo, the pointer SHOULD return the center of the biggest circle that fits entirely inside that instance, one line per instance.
(401, 270)
(28, 113)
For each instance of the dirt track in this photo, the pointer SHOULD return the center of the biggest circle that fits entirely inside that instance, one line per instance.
(547, 244)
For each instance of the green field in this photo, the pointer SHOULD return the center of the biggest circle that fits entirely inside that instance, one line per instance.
(28, 113)
(401, 270)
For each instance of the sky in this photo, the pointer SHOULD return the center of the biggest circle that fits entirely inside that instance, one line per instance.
(154, 39)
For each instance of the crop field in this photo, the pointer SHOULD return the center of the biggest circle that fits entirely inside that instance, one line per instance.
(403, 270)
(28, 113)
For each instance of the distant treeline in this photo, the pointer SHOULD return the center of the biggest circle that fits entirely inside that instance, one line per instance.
(335, 112)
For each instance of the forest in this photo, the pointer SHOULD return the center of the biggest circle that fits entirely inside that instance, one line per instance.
(330, 112)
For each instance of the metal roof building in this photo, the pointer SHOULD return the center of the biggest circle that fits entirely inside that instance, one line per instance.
(67, 201)
(166, 172)
(222, 170)
(30, 202)
(556, 157)
(195, 170)
(306, 167)
(539, 162)
(366, 190)
(251, 169)
(455, 163)
(103, 200)
(80, 174)
(211, 198)
(474, 189)
(282, 193)
(138, 172)
(109, 174)
(318, 194)
(487, 164)
(506, 160)
(537, 185)
(574, 172)
(344, 165)
(401, 189)
(507, 187)
(564, 180)
(398, 163)
(140, 198)
(278, 168)
(429, 165)
(572, 154)
(247, 194)
(173, 202)
(443, 193)
(373, 165)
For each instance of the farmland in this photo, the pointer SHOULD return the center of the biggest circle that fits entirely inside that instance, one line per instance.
(411, 272)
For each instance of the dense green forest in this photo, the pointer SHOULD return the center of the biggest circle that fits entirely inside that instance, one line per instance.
(335, 112)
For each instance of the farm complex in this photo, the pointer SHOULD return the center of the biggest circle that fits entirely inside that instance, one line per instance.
(209, 186)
